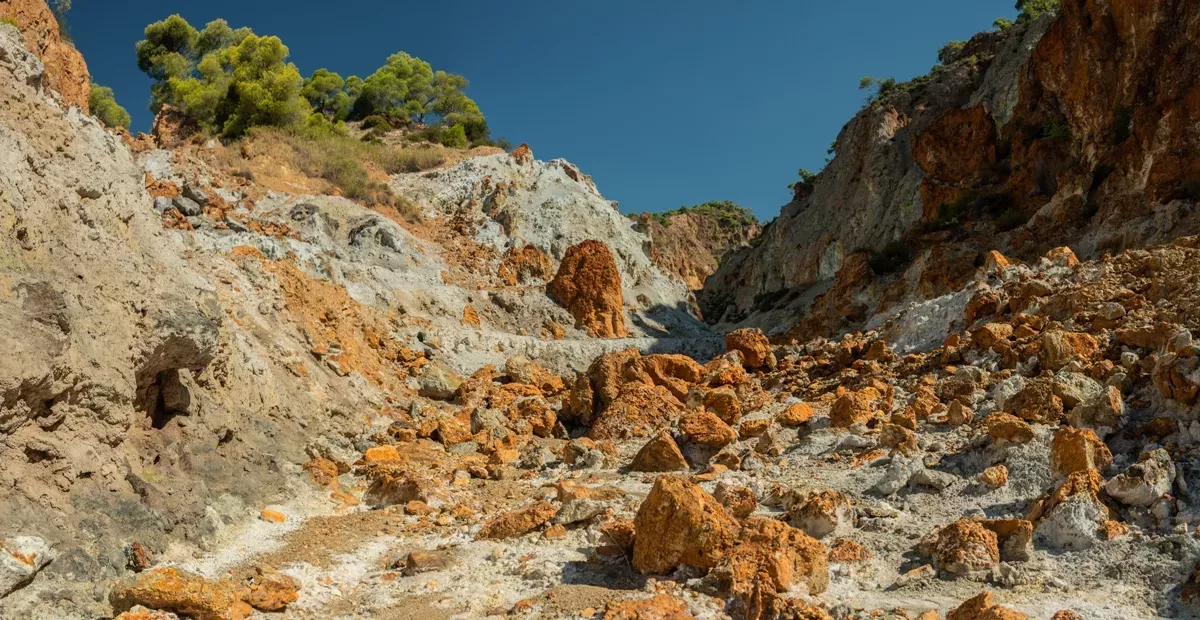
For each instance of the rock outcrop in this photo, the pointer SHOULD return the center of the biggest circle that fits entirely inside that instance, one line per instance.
(66, 72)
(588, 285)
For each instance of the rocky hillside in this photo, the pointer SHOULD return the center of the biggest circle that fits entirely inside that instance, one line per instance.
(229, 391)
(690, 243)
(67, 73)
(1070, 130)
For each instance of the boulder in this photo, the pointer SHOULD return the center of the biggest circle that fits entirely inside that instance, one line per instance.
(983, 607)
(785, 556)
(517, 522)
(588, 285)
(638, 411)
(182, 592)
(724, 403)
(679, 524)
(1145, 481)
(739, 501)
(964, 547)
(660, 454)
(1036, 402)
(753, 345)
(1077, 449)
(796, 414)
(1004, 428)
(821, 514)
(852, 408)
(1060, 347)
(706, 429)
(1072, 517)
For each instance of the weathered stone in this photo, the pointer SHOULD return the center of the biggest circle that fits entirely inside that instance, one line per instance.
(1004, 428)
(588, 285)
(706, 429)
(21, 558)
(179, 591)
(660, 454)
(796, 414)
(1060, 347)
(995, 476)
(983, 607)
(753, 345)
(1145, 481)
(679, 524)
(964, 547)
(852, 408)
(517, 522)
(822, 514)
(739, 501)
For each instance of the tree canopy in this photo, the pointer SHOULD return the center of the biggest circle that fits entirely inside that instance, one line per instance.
(229, 80)
(104, 107)
(1033, 9)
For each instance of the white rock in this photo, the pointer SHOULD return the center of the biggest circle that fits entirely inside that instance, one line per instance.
(20, 559)
(1145, 481)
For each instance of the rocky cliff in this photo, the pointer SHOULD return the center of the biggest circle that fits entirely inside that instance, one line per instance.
(1069, 130)
(691, 244)
(66, 72)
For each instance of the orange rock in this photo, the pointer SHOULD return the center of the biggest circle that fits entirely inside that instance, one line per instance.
(879, 351)
(620, 532)
(959, 414)
(175, 590)
(66, 72)
(964, 547)
(1006, 428)
(677, 373)
(847, 550)
(1014, 536)
(270, 590)
(753, 345)
(785, 555)
(1037, 402)
(470, 317)
(522, 370)
(660, 454)
(899, 438)
(661, 607)
(525, 265)
(740, 501)
(555, 531)
(639, 411)
(1077, 449)
(272, 515)
(754, 428)
(1066, 614)
(724, 403)
(679, 524)
(989, 335)
(323, 472)
(852, 408)
(1059, 348)
(795, 415)
(517, 522)
(532, 415)
(995, 476)
(1177, 377)
(588, 285)
(706, 429)
(1062, 257)
(984, 607)
(820, 514)
(141, 613)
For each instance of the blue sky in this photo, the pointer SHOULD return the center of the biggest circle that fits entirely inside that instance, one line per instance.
(664, 103)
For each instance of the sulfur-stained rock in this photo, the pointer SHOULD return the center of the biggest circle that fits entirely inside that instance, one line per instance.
(959, 414)
(523, 370)
(724, 403)
(1062, 257)
(753, 345)
(1015, 537)
(796, 414)
(679, 524)
(901, 439)
(21, 557)
(1177, 377)
(660, 454)
(852, 408)
(1145, 481)
(517, 522)
(659, 607)
(821, 514)
(739, 501)
(983, 607)
(1102, 411)
(1004, 428)
(1077, 449)
(1071, 517)
(964, 547)
(1060, 347)
(182, 592)
(995, 476)
(706, 429)
(588, 285)
(754, 428)
(991, 334)
(677, 373)
(1036, 402)
(638, 411)
(270, 590)
(788, 558)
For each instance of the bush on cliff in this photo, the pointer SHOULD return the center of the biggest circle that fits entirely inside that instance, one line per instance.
(1033, 9)
(104, 107)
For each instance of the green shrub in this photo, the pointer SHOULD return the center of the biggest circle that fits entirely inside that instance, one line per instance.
(4, 19)
(808, 180)
(1056, 129)
(727, 213)
(882, 87)
(1003, 23)
(1033, 9)
(892, 258)
(951, 51)
(454, 137)
(104, 107)
(376, 122)
(326, 93)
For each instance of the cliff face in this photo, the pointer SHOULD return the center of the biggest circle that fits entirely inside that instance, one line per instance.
(1074, 130)
(66, 72)
(691, 245)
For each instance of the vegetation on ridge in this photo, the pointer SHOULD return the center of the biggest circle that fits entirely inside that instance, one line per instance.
(106, 109)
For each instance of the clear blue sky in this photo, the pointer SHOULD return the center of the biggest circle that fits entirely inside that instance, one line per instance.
(664, 103)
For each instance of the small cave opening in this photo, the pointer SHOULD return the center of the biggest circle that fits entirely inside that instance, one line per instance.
(165, 397)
